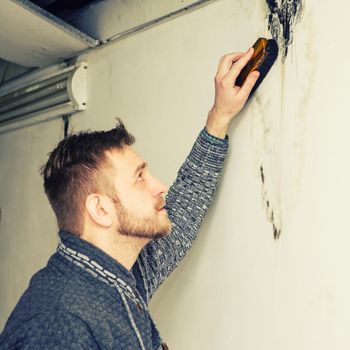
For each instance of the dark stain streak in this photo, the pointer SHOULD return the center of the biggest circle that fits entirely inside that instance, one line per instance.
(283, 15)
(262, 174)
(276, 231)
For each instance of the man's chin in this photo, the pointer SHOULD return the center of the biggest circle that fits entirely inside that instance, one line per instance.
(165, 231)
(162, 231)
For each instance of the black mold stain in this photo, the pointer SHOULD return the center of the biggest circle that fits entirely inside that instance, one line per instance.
(262, 174)
(276, 231)
(283, 15)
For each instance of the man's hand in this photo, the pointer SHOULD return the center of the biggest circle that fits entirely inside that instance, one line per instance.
(229, 99)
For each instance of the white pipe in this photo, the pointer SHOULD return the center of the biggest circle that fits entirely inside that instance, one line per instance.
(35, 76)
(52, 100)
(37, 117)
(32, 97)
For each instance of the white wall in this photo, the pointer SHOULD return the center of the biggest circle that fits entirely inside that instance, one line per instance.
(238, 288)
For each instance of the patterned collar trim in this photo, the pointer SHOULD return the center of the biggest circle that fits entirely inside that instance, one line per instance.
(84, 247)
(100, 273)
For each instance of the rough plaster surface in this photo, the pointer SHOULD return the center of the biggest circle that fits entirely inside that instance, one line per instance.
(279, 125)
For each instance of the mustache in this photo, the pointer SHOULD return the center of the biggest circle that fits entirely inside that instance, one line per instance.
(161, 205)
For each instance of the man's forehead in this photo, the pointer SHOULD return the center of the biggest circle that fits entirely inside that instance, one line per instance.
(126, 158)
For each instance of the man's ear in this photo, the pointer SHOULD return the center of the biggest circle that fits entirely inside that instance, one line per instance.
(100, 209)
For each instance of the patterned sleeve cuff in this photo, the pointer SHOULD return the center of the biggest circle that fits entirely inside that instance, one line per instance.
(209, 152)
(214, 138)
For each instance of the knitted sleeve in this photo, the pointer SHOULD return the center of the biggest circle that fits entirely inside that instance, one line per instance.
(50, 330)
(187, 203)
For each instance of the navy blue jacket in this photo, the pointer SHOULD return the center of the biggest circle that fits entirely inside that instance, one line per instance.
(84, 299)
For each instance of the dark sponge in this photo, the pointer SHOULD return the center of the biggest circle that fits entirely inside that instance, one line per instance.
(272, 54)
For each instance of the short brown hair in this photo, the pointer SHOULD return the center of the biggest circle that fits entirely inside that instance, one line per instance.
(78, 167)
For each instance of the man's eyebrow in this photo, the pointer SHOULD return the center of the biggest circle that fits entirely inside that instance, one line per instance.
(140, 167)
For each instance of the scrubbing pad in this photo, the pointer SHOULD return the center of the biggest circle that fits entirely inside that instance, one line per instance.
(265, 54)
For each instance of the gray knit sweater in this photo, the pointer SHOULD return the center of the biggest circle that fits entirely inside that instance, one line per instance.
(84, 299)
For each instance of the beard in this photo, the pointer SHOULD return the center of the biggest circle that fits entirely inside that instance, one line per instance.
(151, 226)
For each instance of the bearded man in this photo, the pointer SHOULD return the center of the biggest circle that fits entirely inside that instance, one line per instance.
(120, 237)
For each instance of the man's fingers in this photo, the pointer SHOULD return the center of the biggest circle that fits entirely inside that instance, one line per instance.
(226, 63)
(219, 65)
(248, 84)
(236, 68)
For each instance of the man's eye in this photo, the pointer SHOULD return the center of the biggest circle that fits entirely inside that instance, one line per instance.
(140, 178)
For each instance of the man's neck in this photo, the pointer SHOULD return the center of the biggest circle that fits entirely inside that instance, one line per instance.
(123, 249)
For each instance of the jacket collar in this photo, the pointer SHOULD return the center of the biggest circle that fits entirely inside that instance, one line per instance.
(94, 253)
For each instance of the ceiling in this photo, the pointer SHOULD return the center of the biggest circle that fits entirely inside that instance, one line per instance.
(62, 8)
(37, 33)
(30, 36)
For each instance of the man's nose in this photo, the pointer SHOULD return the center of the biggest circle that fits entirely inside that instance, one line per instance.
(160, 188)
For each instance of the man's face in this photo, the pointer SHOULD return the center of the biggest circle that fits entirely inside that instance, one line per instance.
(140, 197)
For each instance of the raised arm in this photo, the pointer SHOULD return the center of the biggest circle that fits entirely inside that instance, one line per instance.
(191, 194)
(187, 202)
